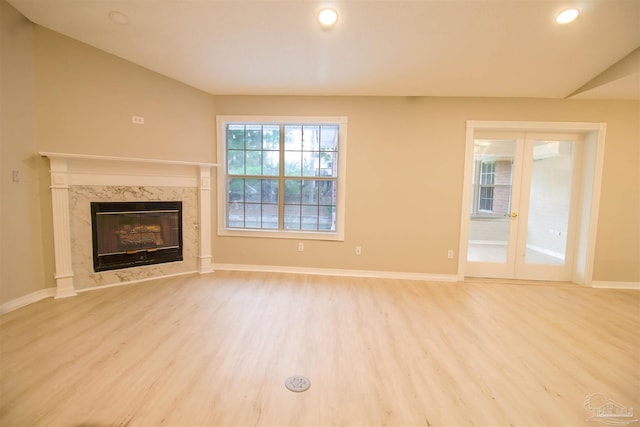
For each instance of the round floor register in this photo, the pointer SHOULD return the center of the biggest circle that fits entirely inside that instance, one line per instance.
(297, 383)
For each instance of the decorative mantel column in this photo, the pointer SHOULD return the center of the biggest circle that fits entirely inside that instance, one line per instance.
(61, 228)
(206, 266)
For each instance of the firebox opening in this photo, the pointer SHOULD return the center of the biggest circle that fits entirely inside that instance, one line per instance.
(130, 234)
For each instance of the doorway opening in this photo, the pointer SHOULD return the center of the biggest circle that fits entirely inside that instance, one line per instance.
(530, 200)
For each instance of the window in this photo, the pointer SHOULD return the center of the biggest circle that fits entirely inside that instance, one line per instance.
(487, 180)
(282, 177)
(492, 187)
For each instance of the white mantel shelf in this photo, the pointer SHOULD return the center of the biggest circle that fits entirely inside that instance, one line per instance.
(123, 159)
(83, 169)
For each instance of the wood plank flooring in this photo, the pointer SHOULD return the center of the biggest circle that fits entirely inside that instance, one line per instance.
(215, 350)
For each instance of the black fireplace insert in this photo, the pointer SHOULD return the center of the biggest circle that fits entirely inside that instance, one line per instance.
(131, 234)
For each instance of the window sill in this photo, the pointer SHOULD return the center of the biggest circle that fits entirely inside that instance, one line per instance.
(278, 234)
(488, 217)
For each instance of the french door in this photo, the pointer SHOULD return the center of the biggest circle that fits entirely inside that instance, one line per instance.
(522, 206)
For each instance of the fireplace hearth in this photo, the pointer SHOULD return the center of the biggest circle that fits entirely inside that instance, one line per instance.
(131, 234)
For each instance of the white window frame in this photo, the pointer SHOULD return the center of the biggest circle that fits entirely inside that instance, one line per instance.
(492, 185)
(221, 123)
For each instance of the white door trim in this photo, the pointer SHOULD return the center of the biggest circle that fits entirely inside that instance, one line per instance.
(592, 164)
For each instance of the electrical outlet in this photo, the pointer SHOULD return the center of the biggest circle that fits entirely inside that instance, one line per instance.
(137, 120)
(300, 247)
(15, 176)
(358, 250)
(450, 254)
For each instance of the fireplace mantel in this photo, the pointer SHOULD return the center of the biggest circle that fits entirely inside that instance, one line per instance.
(90, 170)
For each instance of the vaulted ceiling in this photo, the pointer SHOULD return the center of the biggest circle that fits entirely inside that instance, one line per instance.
(501, 48)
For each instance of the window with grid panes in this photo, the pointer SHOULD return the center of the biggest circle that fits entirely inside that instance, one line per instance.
(487, 181)
(283, 176)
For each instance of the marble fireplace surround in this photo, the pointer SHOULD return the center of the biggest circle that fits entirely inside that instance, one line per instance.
(77, 180)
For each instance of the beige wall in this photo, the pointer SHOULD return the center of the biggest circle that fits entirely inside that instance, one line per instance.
(404, 171)
(85, 99)
(618, 244)
(21, 255)
(404, 181)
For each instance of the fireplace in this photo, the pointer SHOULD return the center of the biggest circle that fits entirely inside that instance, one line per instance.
(131, 234)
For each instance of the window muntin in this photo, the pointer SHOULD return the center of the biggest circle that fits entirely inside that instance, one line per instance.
(492, 188)
(283, 177)
(253, 150)
(487, 180)
(310, 205)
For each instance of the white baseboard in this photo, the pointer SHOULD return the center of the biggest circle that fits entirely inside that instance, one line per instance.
(339, 272)
(615, 285)
(51, 292)
(27, 299)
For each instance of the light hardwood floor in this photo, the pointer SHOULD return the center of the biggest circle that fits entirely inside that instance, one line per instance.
(215, 350)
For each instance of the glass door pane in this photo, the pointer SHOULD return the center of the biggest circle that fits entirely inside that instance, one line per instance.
(492, 180)
(521, 221)
(549, 202)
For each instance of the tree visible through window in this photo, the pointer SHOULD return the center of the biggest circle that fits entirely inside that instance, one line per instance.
(282, 176)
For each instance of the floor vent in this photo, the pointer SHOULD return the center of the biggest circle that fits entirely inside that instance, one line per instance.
(297, 383)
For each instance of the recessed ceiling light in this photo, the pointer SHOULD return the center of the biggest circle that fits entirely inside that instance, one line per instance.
(567, 16)
(327, 18)
(118, 17)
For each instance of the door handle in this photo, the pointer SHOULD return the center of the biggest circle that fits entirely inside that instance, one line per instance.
(513, 215)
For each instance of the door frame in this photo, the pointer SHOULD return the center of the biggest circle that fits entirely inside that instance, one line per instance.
(592, 160)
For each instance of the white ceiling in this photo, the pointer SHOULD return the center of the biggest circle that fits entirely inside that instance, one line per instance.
(503, 48)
